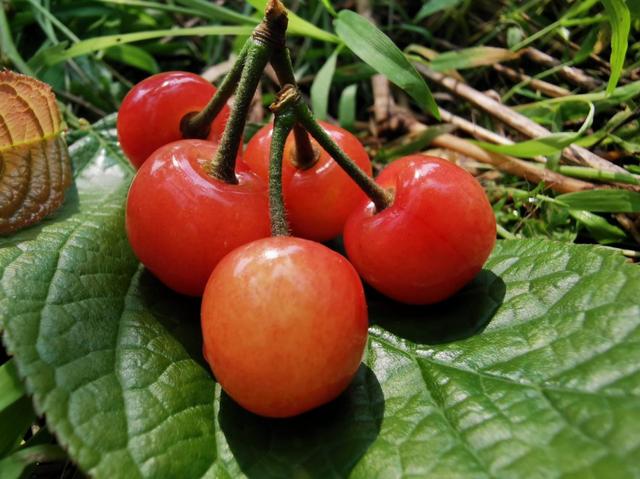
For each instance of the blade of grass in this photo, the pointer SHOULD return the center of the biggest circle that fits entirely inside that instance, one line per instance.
(11, 388)
(90, 45)
(376, 49)
(14, 466)
(322, 85)
(347, 107)
(133, 56)
(215, 12)
(593, 174)
(598, 227)
(435, 6)
(329, 7)
(543, 146)
(471, 58)
(157, 6)
(620, 21)
(8, 47)
(602, 201)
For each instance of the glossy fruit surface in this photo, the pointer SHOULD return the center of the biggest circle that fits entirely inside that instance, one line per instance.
(318, 199)
(284, 324)
(431, 241)
(181, 221)
(150, 114)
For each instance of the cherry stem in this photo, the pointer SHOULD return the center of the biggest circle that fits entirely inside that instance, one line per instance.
(198, 124)
(306, 155)
(267, 37)
(223, 165)
(381, 198)
(282, 125)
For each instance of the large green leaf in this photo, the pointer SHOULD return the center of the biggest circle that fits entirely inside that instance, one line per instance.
(532, 371)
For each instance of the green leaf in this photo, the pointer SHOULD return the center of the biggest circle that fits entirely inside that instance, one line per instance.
(543, 146)
(515, 35)
(16, 412)
(133, 56)
(11, 388)
(434, 6)
(603, 201)
(216, 12)
(14, 424)
(620, 21)
(377, 50)
(15, 465)
(119, 390)
(321, 86)
(598, 227)
(347, 107)
(299, 26)
(471, 58)
(532, 370)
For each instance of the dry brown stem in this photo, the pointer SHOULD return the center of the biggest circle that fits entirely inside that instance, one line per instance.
(543, 87)
(479, 132)
(573, 153)
(571, 74)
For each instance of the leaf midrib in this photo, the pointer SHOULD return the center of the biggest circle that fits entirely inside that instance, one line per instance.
(513, 382)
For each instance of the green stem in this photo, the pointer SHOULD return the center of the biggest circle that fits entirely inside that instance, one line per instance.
(282, 125)
(306, 155)
(198, 124)
(224, 164)
(380, 197)
(267, 37)
(281, 63)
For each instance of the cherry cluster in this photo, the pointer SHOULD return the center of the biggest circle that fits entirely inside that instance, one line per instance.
(284, 318)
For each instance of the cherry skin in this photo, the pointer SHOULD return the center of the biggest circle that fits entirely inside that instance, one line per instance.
(181, 221)
(431, 241)
(318, 199)
(284, 323)
(151, 112)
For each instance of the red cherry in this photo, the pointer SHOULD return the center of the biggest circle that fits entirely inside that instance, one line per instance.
(431, 241)
(318, 199)
(181, 221)
(151, 113)
(284, 323)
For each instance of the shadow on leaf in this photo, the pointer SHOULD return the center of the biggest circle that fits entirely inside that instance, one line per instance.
(180, 315)
(325, 442)
(465, 314)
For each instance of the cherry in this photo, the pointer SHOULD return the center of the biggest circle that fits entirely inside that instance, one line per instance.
(431, 241)
(284, 323)
(151, 112)
(181, 221)
(320, 198)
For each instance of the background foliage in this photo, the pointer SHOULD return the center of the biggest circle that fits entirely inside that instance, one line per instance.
(560, 395)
